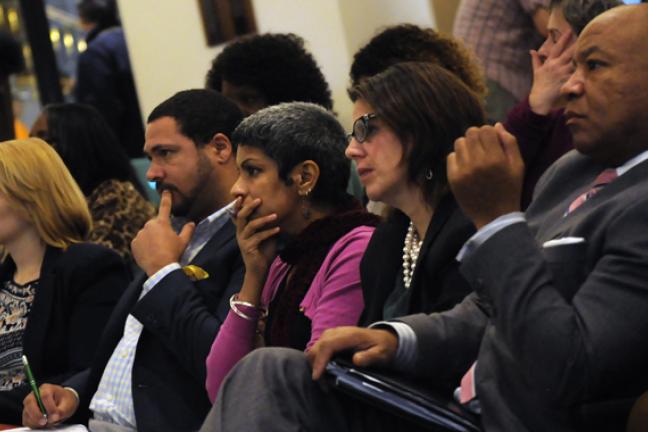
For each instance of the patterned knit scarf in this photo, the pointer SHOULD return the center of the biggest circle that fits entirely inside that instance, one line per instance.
(305, 254)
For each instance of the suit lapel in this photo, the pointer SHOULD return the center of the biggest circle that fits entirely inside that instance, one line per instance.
(130, 296)
(204, 258)
(41, 310)
(439, 219)
(557, 225)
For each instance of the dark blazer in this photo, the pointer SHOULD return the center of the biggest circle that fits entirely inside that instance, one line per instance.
(437, 284)
(563, 327)
(105, 81)
(77, 292)
(181, 319)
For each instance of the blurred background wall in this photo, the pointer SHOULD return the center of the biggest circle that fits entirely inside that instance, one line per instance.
(168, 44)
(169, 52)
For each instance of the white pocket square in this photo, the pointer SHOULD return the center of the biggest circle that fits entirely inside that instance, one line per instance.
(563, 241)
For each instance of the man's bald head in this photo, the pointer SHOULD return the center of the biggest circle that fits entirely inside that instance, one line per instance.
(627, 15)
(607, 108)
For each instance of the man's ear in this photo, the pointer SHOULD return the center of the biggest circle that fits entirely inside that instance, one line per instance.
(221, 148)
(305, 176)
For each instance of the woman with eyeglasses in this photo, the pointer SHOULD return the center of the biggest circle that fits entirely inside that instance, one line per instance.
(56, 292)
(98, 163)
(405, 122)
(301, 235)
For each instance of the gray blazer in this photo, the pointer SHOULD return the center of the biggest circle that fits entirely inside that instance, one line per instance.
(554, 329)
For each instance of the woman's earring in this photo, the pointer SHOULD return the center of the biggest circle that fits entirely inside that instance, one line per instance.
(429, 174)
(306, 211)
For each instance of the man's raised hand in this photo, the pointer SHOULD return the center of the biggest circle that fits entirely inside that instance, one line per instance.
(485, 173)
(157, 244)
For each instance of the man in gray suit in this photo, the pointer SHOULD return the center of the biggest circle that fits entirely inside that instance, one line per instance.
(559, 317)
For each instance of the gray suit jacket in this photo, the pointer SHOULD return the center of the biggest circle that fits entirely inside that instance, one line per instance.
(553, 329)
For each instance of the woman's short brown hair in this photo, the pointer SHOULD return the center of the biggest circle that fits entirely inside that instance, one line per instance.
(34, 178)
(428, 108)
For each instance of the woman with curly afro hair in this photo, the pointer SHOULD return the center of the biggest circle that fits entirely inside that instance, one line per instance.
(408, 42)
(256, 71)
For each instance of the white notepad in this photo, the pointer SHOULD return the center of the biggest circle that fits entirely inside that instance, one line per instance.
(62, 428)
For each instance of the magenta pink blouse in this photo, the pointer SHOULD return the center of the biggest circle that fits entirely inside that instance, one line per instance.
(334, 299)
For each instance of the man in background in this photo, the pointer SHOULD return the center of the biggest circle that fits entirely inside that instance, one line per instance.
(104, 76)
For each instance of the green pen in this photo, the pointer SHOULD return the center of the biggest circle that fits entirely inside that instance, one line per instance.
(34, 387)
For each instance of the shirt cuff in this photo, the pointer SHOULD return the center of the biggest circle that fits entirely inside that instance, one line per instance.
(407, 344)
(487, 231)
(158, 276)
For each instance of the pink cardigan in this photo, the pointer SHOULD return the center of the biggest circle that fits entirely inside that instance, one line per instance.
(334, 299)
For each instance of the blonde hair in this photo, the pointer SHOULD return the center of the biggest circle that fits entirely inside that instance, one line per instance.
(34, 178)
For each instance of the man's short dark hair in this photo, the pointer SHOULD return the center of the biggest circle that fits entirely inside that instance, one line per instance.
(408, 42)
(276, 65)
(103, 13)
(200, 114)
(291, 133)
(578, 13)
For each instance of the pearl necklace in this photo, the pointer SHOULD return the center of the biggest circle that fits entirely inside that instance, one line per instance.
(411, 249)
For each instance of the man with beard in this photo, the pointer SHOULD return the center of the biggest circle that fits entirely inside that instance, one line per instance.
(149, 370)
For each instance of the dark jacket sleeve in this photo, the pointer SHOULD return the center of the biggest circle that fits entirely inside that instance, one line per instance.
(97, 280)
(530, 129)
(89, 280)
(178, 314)
(542, 140)
(448, 342)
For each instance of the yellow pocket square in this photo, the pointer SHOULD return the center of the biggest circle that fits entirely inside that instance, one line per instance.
(195, 273)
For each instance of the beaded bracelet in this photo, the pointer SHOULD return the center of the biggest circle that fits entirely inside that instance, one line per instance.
(234, 303)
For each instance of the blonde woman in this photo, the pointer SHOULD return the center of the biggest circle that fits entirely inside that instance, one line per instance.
(56, 292)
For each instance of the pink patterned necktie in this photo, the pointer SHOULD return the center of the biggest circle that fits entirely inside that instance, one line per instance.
(604, 178)
(467, 390)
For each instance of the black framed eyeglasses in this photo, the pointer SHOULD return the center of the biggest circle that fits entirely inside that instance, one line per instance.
(361, 128)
